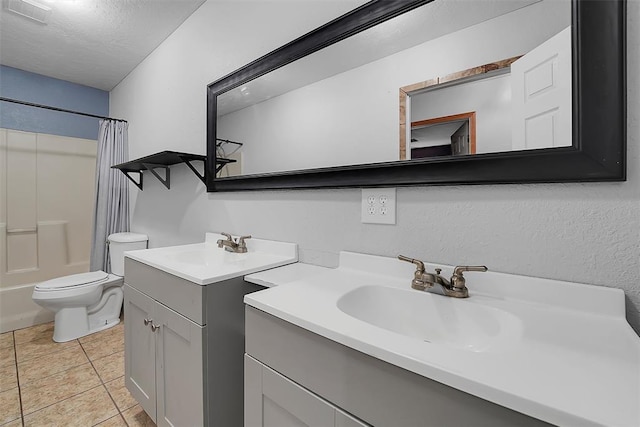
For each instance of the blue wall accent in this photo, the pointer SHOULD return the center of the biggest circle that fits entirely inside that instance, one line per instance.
(39, 89)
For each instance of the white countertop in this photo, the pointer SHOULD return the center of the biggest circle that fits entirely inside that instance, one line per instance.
(575, 361)
(205, 263)
(284, 275)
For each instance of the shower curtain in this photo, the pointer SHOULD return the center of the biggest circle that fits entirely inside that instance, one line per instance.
(111, 209)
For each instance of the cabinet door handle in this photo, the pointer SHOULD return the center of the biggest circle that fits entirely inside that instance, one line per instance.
(154, 327)
(147, 321)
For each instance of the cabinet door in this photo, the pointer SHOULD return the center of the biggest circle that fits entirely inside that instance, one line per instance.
(272, 400)
(180, 379)
(140, 349)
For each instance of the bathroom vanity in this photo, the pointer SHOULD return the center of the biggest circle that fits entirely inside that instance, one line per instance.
(357, 342)
(184, 328)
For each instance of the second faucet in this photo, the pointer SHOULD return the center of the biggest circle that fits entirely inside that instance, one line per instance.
(455, 287)
(232, 245)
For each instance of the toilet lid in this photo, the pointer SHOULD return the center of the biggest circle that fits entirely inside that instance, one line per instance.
(92, 277)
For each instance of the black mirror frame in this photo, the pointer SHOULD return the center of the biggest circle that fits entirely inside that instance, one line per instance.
(598, 153)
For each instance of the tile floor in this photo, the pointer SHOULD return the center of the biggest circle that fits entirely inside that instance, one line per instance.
(77, 383)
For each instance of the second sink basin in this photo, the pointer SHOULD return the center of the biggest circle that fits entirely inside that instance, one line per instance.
(460, 323)
(209, 257)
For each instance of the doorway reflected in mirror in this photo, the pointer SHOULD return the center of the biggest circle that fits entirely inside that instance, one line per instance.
(443, 136)
(519, 103)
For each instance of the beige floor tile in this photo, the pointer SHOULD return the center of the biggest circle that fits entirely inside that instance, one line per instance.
(7, 356)
(110, 367)
(6, 340)
(40, 347)
(105, 346)
(86, 409)
(8, 377)
(9, 405)
(47, 391)
(116, 421)
(32, 333)
(114, 330)
(136, 417)
(45, 366)
(120, 394)
(14, 423)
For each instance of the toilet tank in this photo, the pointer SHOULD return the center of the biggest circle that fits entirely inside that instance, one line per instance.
(121, 242)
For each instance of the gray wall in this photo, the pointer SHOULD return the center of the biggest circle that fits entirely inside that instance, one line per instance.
(586, 233)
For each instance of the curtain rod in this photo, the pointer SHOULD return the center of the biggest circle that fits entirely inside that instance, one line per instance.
(30, 104)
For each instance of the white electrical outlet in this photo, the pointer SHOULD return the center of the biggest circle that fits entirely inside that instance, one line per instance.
(379, 205)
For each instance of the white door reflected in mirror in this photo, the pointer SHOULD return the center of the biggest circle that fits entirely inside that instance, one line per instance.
(541, 95)
(520, 103)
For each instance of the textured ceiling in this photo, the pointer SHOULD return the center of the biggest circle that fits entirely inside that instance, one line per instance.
(90, 42)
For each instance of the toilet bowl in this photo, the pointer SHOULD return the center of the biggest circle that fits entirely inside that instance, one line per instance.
(86, 303)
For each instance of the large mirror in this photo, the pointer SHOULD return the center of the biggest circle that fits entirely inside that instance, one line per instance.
(429, 92)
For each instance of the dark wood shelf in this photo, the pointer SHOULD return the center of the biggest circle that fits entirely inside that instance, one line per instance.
(162, 160)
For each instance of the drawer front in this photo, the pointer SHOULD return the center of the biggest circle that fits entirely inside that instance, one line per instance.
(176, 293)
(376, 392)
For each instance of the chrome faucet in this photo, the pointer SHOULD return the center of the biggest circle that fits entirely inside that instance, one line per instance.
(232, 245)
(455, 287)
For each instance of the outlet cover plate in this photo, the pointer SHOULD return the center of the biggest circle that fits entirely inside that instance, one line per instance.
(379, 206)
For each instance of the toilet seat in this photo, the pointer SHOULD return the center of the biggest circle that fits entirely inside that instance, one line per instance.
(73, 296)
(74, 281)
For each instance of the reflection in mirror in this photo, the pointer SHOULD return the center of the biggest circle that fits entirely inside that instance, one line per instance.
(520, 103)
(340, 105)
(442, 136)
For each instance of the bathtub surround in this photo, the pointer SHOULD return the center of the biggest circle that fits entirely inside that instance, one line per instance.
(573, 232)
(47, 167)
(111, 207)
(46, 199)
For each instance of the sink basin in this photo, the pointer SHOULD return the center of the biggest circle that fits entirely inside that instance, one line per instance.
(459, 323)
(208, 257)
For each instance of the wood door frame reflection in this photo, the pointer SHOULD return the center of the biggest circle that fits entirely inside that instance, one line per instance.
(470, 116)
(458, 77)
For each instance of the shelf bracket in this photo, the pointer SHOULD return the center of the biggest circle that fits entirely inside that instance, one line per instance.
(193, 169)
(221, 162)
(166, 181)
(138, 183)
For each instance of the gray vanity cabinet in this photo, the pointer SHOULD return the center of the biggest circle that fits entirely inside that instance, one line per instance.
(271, 400)
(163, 363)
(293, 375)
(184, 344)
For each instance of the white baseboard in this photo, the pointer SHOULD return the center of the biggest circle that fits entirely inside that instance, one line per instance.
(17, 309)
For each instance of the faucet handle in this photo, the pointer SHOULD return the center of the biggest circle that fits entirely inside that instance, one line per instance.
(419, 264)
(458, 280)
(227, 235)
(242, 246)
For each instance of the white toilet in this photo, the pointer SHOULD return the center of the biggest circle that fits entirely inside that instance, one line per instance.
(89, 302)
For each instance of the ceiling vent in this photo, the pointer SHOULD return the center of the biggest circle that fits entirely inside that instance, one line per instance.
(29, 9)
